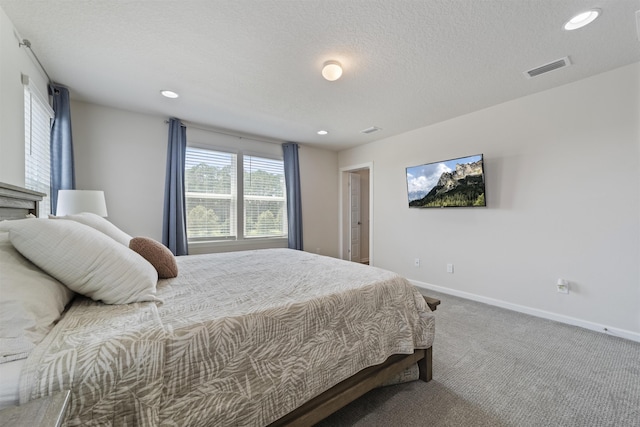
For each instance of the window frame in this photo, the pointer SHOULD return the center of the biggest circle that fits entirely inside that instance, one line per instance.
(284, 234)
(222, 238)
(240, 242)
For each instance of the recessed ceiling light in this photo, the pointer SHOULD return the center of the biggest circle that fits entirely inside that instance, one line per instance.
(169, 93)
(322, 132)
(582, 19)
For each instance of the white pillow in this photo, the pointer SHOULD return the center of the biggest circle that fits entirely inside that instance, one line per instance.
(30, 302)
(100, 224)
(85, 260)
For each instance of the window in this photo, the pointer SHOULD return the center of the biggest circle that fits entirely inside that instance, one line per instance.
(265, 206)
(37, 134)
(211, 194)
(224, 204)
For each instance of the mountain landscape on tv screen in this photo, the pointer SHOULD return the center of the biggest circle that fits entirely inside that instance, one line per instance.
(462, 187)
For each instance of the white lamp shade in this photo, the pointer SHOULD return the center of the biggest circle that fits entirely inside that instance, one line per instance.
(76, 201)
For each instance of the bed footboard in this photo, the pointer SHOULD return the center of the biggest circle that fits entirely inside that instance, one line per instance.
(354, 387)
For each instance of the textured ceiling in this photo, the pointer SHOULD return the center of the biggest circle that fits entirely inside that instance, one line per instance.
(253, 66)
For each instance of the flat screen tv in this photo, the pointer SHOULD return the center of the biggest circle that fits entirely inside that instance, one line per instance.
(449, 183)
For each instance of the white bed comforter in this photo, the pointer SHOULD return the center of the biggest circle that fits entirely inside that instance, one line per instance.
(240, 339)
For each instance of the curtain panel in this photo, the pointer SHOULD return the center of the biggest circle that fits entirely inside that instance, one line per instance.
(294, 202)
(174, 231)
(62, 165)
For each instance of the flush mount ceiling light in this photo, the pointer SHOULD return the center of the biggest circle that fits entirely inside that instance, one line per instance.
(322, 132)
(582, 19)
(169, 94)
(331, 70)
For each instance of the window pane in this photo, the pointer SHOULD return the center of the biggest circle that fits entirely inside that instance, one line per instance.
(265, 213)
(210, 185)
(265, 218)
(209, 171)
(208, 218)
(37, 121)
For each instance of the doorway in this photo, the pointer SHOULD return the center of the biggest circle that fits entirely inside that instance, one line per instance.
(356, 208)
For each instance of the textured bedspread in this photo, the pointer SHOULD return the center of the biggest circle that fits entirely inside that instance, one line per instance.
(240, 339)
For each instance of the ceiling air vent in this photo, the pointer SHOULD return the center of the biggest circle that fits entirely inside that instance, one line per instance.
(560, 63)
(372, 129)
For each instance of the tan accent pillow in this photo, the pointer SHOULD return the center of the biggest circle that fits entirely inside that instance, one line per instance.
(157, 254)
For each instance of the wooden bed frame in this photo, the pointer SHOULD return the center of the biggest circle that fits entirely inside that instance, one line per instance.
(17, 203)
(354, 387)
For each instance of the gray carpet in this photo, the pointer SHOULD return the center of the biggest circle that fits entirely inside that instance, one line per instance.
(495, 367)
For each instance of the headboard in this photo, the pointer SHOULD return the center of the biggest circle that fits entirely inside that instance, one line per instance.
(17, 202)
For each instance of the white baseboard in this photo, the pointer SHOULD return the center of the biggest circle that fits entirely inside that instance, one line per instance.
(622, 333)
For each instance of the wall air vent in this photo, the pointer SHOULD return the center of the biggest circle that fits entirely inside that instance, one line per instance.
(560, 63)
(372, 129)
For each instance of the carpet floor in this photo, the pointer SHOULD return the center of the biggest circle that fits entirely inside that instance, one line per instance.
(496, 367)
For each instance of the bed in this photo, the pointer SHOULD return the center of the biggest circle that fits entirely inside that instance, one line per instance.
(268, 337)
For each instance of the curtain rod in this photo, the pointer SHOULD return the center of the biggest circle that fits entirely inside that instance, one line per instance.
(27, 44)
(234, 135)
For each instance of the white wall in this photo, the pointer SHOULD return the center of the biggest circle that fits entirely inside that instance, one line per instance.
(15, 61)
(563, 193)
(124, 154)
(319, 187)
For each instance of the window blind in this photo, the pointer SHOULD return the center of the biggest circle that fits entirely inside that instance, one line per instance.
(265, 210)
(211, 194)
(37, 132)
(217, 204)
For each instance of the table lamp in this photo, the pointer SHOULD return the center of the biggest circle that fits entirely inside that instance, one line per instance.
(76, 201)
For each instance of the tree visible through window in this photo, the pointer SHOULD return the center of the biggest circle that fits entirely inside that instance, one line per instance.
(265, 210)
(217, 203)
(211, 194)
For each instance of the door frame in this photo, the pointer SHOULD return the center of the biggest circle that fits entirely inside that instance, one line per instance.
(344, 208)
(355, 178)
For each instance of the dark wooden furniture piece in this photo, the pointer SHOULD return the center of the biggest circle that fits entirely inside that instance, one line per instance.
(433, 303)
(48, 411)
(356, 386)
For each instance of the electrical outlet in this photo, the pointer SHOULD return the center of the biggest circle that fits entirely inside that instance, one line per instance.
(449, 268)
(562, 286)
(416, 262)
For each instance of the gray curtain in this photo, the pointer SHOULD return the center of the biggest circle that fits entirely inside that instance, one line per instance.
(294, 202)
(62, 168)
(174, 231)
